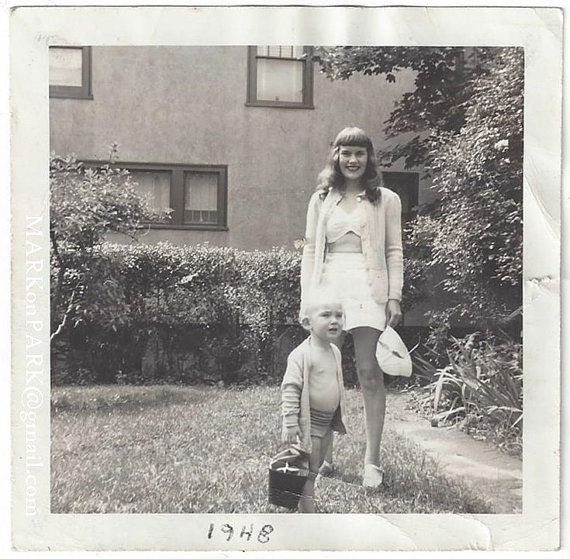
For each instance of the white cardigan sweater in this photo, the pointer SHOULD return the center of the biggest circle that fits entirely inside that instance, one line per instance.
(295, 397)
(381, 244)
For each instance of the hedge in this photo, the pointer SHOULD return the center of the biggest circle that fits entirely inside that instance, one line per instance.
(166, 313)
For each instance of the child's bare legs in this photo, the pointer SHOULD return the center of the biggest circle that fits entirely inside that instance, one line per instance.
(328, 456)
(307, 500)
(319, 449)
(326, 447)
(374, 394)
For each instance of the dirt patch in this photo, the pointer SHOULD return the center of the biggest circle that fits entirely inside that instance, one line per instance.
(492, 474)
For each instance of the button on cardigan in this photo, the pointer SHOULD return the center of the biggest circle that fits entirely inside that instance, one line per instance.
(381, 244)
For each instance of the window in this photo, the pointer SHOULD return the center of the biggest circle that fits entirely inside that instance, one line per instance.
(200, 198)
(406, 185)
(155, 185)
(280, 76)
(195, 194)
(70, 72)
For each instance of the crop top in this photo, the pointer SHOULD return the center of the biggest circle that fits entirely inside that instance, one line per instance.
(341, 222)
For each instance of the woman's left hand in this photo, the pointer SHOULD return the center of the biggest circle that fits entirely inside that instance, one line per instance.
(393, 312)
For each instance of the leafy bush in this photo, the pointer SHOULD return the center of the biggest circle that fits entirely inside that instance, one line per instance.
(163, 313)
(85, 204)
(464, 126)
(476, 232)
(481, 387)
(228, 308)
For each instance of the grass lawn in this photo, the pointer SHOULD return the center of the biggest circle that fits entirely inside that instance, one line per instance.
(180, 449)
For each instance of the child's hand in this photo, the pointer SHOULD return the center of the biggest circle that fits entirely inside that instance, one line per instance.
(291, 434)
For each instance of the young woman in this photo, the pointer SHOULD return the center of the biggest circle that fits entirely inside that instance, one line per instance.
(353, 244)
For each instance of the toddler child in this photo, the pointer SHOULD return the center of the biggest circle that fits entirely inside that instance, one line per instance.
(312, 388)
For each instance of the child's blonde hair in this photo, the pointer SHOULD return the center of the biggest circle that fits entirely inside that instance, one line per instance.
(319, 297)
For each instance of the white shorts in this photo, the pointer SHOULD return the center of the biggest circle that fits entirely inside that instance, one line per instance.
(345, 274)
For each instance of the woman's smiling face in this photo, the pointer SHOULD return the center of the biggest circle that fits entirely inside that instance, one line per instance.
(352, 161)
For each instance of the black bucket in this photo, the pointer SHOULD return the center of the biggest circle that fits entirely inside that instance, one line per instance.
(288, 473)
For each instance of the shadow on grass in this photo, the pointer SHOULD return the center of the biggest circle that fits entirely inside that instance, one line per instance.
(128, 398)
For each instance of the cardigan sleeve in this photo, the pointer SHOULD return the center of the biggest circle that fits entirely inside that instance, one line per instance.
(394, 252)
(308, 258)
(291, 389)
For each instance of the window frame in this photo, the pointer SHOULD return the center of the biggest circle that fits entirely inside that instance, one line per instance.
(308, 77)
(82, 91)
(177, 172)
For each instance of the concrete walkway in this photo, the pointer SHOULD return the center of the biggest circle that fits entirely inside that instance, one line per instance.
(491, 473)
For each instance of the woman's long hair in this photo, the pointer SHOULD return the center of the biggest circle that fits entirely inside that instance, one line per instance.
(332, 177)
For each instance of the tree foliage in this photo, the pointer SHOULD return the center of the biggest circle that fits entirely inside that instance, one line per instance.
(435, 103)
(466, 116)
(86, 204)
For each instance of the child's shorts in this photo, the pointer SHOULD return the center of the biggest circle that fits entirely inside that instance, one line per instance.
(321, 422)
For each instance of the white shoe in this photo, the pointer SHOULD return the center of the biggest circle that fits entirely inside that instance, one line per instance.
(373, 476)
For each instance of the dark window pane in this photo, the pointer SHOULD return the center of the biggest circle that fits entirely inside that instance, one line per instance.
(406, 185)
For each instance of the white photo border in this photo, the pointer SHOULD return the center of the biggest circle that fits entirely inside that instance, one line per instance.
(537, 30)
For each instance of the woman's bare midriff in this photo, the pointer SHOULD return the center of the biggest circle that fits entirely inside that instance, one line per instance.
(347, 243)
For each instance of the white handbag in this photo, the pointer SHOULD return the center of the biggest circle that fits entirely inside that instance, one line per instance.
(392, 354)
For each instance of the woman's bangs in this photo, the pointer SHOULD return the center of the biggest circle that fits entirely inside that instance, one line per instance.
(354, 138)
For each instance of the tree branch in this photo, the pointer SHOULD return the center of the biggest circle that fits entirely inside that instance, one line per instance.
(65, 318)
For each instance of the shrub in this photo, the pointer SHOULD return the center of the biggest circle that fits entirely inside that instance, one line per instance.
(85, 204)
(163, 313)
(482, 387)
(140, 311)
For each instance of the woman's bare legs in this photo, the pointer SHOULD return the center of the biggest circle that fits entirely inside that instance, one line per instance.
(374, 394)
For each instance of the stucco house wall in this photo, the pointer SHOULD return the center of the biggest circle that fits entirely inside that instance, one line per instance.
(187, 105)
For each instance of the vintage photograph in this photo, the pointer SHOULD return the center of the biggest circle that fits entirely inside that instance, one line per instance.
(223, 217)
(272, 281)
